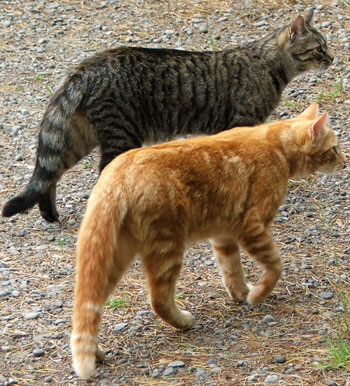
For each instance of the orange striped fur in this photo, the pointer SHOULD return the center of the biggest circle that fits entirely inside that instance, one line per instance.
(153, 201)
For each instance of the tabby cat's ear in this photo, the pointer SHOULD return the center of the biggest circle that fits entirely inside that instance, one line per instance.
(309, 17)
(311, 112)
(316, 129)
(297, 28)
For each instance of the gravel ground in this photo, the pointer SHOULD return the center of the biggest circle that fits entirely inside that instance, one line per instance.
(281, 341)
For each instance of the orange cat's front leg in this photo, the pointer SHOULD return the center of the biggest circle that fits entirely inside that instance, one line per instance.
(261, 246)
(229, 260)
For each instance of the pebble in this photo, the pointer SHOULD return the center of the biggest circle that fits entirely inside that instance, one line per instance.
(119, 327)
(156, 373)
(168, 371)
(200, 372)
(326, 294)
(280, 359)
(31, 315)
(176, 364)
(260, 24)
(268, 319)
(38, 352)
(271, 379)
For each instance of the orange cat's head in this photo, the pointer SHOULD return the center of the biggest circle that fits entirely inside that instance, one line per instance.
(317, 142)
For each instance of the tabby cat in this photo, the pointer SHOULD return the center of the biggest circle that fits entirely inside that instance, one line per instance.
(153, 201)
(123, 98)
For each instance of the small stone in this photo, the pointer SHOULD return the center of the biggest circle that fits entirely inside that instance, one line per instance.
(331, 382)
(271, 379)
(4, 293)
(176, 364)
(203, 29)
(155, 373)
(19, 157)
(326, 294)
(38, 352)
(168, 371)
(260, 24)
(200, 372)
(280, 359)
(120, 326)
(60, 321)
(31, 315)
(268, 319)
(252, 377)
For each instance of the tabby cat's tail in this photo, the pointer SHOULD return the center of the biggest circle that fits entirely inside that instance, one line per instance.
(49, 160)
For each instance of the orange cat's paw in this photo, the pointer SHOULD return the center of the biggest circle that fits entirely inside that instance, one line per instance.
(187, 320)
(256, 295)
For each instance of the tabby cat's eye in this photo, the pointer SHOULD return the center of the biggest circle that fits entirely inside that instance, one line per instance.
(336, 149)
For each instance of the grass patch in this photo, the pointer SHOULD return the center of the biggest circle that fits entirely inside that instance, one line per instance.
(213, 43)
(117, 303)
(328, 96)
(60, 243)
(340, 354)
(86, 164)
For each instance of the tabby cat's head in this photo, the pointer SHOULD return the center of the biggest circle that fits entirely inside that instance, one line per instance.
(317, 143)
(305, 44)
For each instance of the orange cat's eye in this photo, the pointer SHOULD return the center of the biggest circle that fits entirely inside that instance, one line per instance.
(336, 149)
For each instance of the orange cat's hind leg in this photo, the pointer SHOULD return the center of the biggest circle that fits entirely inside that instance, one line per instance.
(228, 257)
(162, 271)
(260, 245)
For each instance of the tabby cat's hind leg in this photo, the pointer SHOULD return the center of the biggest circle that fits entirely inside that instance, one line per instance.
(260, 245)
(229, 261)
(47, 204)
(162, 271)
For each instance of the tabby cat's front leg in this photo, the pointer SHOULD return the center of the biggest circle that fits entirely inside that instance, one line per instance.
(229, 260)
(260, 245)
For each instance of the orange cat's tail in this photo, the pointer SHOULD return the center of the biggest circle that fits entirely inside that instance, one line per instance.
(101, 261)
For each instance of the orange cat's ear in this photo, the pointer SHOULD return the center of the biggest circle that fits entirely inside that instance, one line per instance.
(298, 27)
(311, 112)
(316, 129)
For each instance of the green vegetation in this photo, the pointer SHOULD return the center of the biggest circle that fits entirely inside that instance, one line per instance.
(340, 351)
(335, 92)
(116, 303)
(60, 243)
(86, 164)
(213, 43)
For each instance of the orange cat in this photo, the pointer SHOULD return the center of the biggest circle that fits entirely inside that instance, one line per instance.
(153, 201)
